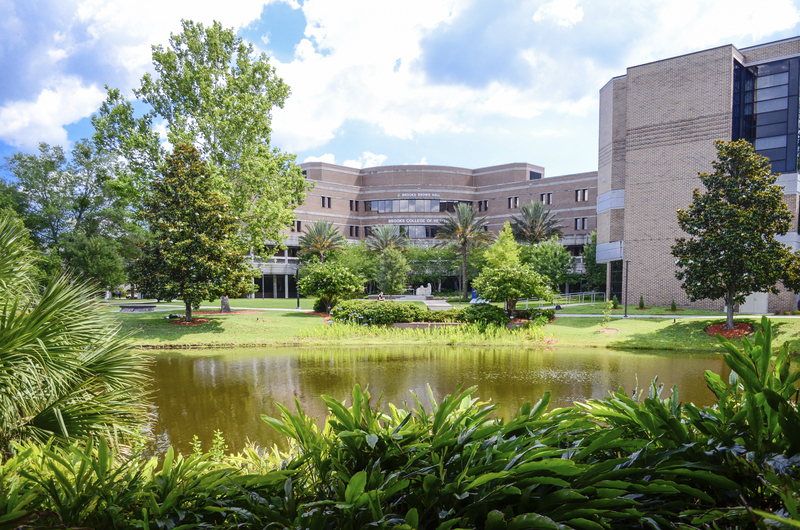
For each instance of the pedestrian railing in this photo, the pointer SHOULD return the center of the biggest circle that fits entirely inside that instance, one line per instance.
(588, 297)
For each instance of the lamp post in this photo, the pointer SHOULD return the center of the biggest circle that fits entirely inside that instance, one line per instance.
(627, 264)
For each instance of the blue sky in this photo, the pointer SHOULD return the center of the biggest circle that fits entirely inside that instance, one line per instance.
(450, 82)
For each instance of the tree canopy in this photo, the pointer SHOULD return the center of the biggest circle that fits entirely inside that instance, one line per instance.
(731, 250)
(391, 274)
(511, 283)
(194, 253)
(550, 259)
(535, 223)
(330, 282)
(504, 251)
(212, 91)
(385, 236)
(595, 275)
(320, 239)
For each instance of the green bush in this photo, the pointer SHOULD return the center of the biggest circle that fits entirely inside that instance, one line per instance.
(614, 302)
(376, 313)
(484, 314)
(530, 314)
(673, 306)
(448, 315)
(321, 305)
(641, 302)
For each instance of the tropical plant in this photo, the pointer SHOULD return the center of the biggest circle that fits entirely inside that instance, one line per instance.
(194, 253)
(464, 232)
(535, 223)
(321, 238)
(385, 236)
(732, 250)
(64, 371)
(392, 272)
(510, 283)
(330, 282)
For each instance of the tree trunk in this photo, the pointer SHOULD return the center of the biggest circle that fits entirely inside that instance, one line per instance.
(224, 305)
(729, 310)
(188, 317)
(464, 272)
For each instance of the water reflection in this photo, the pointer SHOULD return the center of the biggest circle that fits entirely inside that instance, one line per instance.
(229, 390)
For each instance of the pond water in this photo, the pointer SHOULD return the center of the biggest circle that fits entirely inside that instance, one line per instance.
(200, 392)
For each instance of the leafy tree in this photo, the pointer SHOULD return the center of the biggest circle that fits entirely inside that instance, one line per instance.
(321, 238)
(385, 236)
(535, 223)
(358, 259)
(194, 253)
(66, 373)
(552, 260)
(212, 91)
(392, 272)
(731, 250)
(330, 282)
(510, 283)
(67, 202)
(96, 258)
(430, 264)
(595, 275)
(464, 232)
(504, 251)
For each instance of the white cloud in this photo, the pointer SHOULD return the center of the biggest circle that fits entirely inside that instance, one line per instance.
(366, 160)
(327, 158)
(564, 12)
(24, 124)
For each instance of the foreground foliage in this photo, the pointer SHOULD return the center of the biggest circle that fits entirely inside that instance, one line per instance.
(627, 461)
(65, 373)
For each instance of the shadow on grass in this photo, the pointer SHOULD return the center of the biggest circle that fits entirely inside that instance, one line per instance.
(147, 328)
(579, 322)
(681, 335)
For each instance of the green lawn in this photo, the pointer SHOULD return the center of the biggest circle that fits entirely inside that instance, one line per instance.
(597, 309)
(657, 334)
(271, 328)
(255, 303)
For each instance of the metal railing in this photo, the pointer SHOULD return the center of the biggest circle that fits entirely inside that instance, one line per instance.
(588, 297)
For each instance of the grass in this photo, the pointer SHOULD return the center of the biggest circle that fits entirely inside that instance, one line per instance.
(271, 328)
(597, 309)
(253, 303)
(658, 334)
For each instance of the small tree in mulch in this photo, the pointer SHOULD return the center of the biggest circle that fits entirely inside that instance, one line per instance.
(614, 302)
(673, 307)
(641, 302)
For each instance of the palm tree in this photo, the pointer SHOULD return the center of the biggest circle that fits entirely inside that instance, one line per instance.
(321, 238)
(465, 232)
(535, 223)
(65, 373)
(385, 236)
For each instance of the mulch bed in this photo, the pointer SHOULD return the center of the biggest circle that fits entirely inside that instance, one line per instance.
(323, 315)
(610, 331)
(643, 309)
(740, 330)
(194, 322)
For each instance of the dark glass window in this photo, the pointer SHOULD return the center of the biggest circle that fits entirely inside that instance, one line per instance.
(535, 175)
(616, 280)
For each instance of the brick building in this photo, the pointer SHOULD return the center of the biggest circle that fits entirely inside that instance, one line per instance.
(416, 197)
(657, 127)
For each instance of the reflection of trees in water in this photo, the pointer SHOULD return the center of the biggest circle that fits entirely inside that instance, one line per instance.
(230, 390)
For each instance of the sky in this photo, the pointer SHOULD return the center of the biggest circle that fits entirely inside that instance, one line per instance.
(468, 83)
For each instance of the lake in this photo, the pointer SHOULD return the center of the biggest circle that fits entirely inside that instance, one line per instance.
(202, 391)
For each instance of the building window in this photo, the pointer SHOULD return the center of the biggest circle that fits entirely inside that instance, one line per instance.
(585, 196)
(480, 206)
(535, 175)
(513, 202)
(581, 195)
(543, 197)
(581, 223)
(305, 173)
(296, 227)
(584, 223)
(329, 202)
(577, 223)
(549, 198)
(356, 205)
(353, 231)
(367, 231)
(356, 231)
(323, 201)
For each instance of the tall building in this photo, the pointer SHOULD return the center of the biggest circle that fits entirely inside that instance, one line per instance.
(658, 123)
(415, 198)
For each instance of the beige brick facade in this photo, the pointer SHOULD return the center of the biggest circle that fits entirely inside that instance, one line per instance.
(657, 128)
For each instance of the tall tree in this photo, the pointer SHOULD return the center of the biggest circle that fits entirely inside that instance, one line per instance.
(321, 238)
(465, 232)
(392, 272)
(385, 236)
(550, 259)
(504, 251)
(535, 223)
(329, 282)
(595, 274)
(212, 91)
(511, 283)
(731, 250)
(194, 253)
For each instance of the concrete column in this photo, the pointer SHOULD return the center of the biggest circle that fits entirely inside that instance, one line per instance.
(274, 286)
(608, 281)
(286, 283)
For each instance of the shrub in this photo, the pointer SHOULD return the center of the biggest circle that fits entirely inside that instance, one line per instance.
(330, 282)
(641, 302)
(533, 313)
(321, 305)
(484, 314)
(376, 313)
(614, 302)
(673, 306)
(449, 315)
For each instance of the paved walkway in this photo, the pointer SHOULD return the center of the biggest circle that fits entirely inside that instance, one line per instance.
(437, 305)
